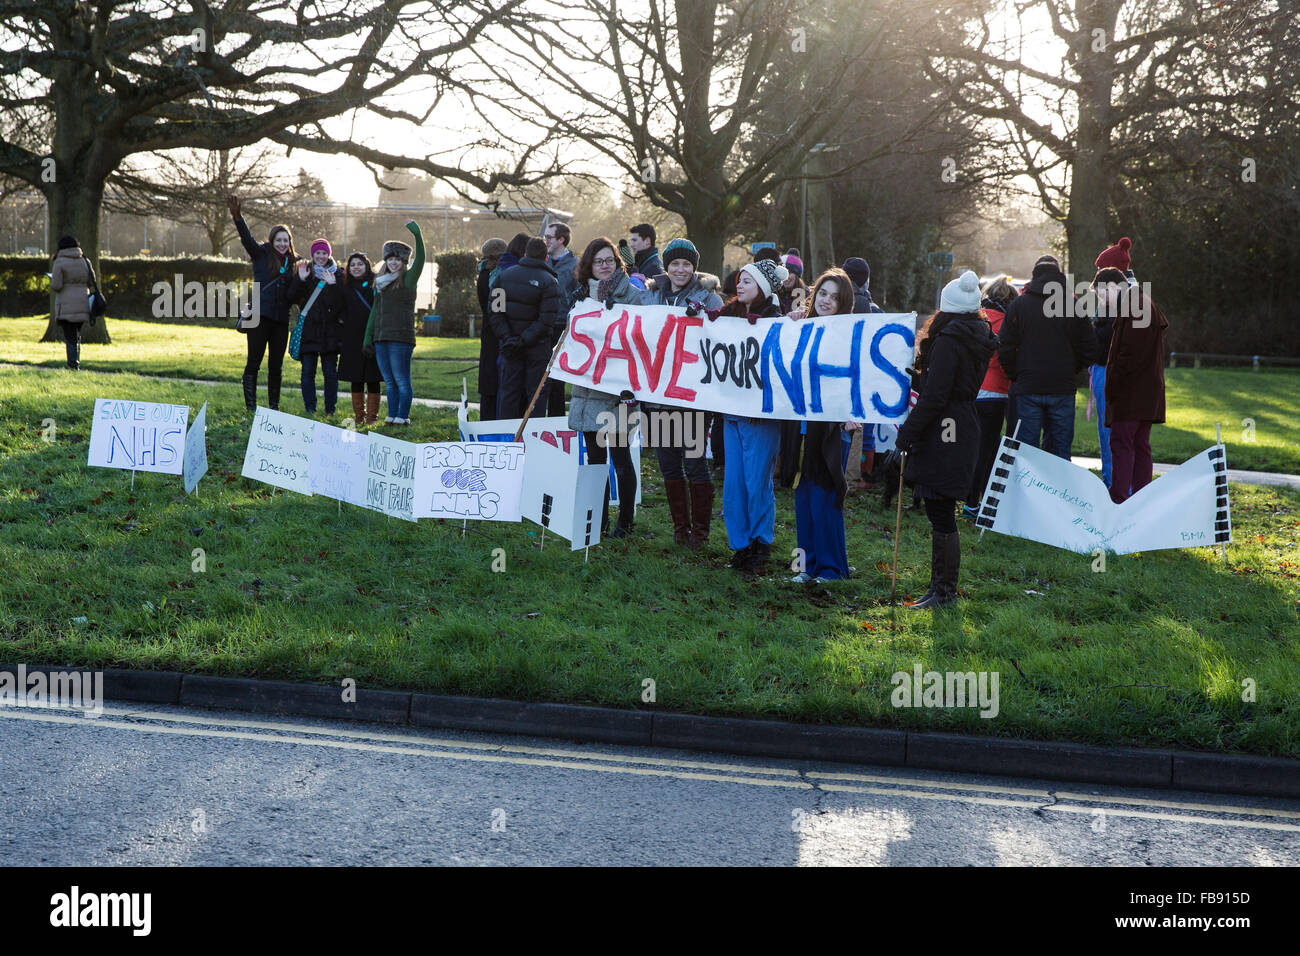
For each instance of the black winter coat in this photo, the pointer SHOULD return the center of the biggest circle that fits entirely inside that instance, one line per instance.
(354, 364)
(945, 409)
(534, 305)
(1043, 354)
(322, 330)
(270, 272)
(488, 348)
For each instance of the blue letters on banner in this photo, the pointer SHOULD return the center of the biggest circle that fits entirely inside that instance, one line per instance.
(792, 379)
(882, 363)
(852, 371)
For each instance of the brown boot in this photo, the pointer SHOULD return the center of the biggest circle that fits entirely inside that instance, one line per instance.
(358, 409)
(372, 408)
(680, 508)
(701, 513)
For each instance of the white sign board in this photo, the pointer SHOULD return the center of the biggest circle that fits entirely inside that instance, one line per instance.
(822, 368)
(566, 503)
(1035, 495)
(138, 436)
(339, 462)
(475, 480)
(196, 450)
(390, 476)
(279, 450)
(554, 432)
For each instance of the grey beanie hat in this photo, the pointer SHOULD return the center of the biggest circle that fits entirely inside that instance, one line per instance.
(394, 247)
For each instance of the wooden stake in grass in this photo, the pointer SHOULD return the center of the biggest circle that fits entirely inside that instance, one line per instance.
(898, 527)
(519, 435)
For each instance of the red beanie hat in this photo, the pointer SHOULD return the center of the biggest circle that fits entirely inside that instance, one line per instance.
(1116, 257)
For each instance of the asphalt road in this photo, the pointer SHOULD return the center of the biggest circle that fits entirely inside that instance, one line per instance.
(165, 785)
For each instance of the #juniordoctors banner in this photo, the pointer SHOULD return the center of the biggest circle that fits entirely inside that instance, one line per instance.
(1035, 495)
(825, 368)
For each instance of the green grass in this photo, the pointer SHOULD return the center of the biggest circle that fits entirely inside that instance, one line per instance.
(1151, 652)
(210, 352)
(1196, 398)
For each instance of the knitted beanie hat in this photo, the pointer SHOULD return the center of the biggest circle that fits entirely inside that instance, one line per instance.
(768, 274)
(626, 254)
(68, 242)
(961, 294)
(858, 270)
(681, 249)
(494, 249)
(321, 244)
(794, 264)
(1116, 256)
(395, 248)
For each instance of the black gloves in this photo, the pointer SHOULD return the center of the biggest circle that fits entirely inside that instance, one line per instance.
(692, 308)
(512, 347)
(609, 304)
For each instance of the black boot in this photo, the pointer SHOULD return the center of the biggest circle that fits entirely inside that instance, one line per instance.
(72, 340)
(760, 552)
(946, 550)
(740, 558)
(250, 391)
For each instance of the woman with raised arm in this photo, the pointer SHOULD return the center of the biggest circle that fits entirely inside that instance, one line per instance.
(273, 263)
(390, 331)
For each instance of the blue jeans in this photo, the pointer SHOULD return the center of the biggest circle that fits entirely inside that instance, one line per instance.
(1103, 433)
(330, 363)
(394, 360)
(1052, 417)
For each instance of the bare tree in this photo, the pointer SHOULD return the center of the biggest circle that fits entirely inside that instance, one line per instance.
(192, 188)
(1135, 74)
(666, 92)
(84, 84)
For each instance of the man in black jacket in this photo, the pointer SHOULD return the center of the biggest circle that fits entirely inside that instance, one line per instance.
(526, 329)
(646, 256)
(1044, 345)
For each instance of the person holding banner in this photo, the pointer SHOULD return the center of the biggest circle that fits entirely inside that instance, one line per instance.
(691, 504)
(820, 485)
(602, 276)
(941, 434)
(390, 330)
(314, 287)
(272, 267)
(354, 365)
(752, 444)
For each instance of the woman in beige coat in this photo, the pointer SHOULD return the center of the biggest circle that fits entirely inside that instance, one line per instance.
(70, 280)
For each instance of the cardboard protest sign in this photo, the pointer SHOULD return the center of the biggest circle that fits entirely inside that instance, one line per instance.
(822, 368)
(279, 450)
(138, 436)
(196, 450)
(390, 476)
(565, 501)
(476, 480)
(554, 432)
(339, 464)
(1035, 495)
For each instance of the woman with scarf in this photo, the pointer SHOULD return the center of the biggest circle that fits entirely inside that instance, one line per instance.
(315, 288)
(390, 330)
(602, 276)
(361, 370)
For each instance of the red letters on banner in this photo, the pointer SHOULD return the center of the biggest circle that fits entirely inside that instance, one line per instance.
(586, 340)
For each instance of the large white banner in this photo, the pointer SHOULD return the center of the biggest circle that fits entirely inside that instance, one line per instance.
(279, 450)
(469, 480)
(556, 433)
(138, 436)
(832, 368)
(1036, 495)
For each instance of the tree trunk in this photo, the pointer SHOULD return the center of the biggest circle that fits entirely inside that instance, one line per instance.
(74, 211)
(709, 239)
(1092, 171)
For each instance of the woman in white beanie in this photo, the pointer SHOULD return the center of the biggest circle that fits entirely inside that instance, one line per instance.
(748, 498)
(942, 433)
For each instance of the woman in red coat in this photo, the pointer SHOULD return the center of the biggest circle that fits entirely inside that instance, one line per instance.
(1135, 383)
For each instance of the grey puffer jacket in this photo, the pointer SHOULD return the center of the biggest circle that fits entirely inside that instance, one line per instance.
(587, 404)
(70, 280)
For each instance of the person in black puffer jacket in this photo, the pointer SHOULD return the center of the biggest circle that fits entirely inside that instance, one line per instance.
(316, 289)
(942, 432)
(272, 266)
(526, 329)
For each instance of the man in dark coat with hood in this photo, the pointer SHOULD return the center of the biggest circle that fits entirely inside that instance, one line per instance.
(526, 329)
(1044, 346)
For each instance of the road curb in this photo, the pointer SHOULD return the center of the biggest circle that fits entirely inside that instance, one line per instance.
(1084, 763)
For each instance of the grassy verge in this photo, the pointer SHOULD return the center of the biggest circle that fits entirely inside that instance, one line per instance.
(1152, 652)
